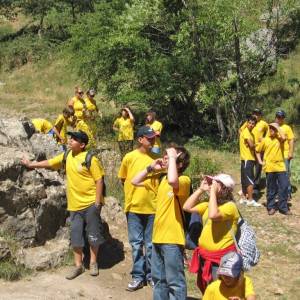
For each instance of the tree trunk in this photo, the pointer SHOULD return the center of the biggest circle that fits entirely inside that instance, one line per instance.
(240, 87)
(220, 121)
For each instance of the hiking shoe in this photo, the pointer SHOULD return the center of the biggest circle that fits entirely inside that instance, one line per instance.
(243, 201)
(271, 212)
(76, 271)
(253, 203)
(287, 213)
(150, 283)
(94, 271)
(135, 284)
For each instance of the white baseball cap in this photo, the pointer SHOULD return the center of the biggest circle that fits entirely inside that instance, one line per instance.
(223, 178)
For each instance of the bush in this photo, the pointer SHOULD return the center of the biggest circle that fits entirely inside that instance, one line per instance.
(200, 166)
(11, 271)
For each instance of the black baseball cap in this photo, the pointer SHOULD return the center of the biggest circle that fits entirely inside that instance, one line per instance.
(79, 136)
(280, 114)
(146, 131)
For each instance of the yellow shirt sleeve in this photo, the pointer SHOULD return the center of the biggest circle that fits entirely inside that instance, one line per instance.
(96, 169)
(249, 289)
(56, 162)
(243, 126)
(184, 186)
(123, 169)
(228, 211)
(116, 123)
(289, 133)
(202, 207)
(260, 147)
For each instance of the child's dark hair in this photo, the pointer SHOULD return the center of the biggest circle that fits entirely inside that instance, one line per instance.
(68, 111)
(183, 158)
(252, 118)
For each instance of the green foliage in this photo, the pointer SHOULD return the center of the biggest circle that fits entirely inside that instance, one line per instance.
(11, 271)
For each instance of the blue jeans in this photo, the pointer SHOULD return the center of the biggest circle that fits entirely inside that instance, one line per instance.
(288, 171)
(140, 238)
(168, 272)
(277, 182)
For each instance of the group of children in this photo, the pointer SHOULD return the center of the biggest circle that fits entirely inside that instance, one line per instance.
(156, 195)
(269, 147)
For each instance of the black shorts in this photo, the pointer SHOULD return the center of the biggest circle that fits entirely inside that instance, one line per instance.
(86, 220)
(247, 174)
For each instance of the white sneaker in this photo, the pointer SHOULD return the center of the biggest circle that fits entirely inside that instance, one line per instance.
(243, 201)
(253, 203)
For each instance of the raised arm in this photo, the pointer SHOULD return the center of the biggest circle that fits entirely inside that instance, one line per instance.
(213, 210)
(172, 168)
(194, 199)
(131, 117)
(156, 165)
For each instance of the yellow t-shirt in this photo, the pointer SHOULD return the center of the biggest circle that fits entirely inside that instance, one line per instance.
(61, 124)
(216, 235)
(125, 129)
(81, 187)
(157, 126)
(217, 290)
(289, 134)
(245, 152)
(168, 227)
(273, 154)
(90, 105)
(139, 200)
(260, 130)
(83, 126)
(42, 125)
(79, 108)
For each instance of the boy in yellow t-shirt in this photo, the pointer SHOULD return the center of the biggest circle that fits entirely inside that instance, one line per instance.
(168, 230)
(274, 166)
(140, 207)
(248, 157)
(84, 198)
(157, 127)
(61, 125)
(232, 284)
(288, 144)
(124, 126)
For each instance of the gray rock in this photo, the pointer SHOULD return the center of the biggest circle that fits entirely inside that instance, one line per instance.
(44, 257)
(112, 212)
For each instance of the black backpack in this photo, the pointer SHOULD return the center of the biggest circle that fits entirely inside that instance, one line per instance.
(87, 163)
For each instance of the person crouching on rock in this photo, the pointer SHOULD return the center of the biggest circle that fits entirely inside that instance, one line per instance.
(84, 198)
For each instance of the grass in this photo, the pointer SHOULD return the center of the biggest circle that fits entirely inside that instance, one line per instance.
(11, 271)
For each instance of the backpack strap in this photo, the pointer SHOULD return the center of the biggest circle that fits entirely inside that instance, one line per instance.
(66, 153)
(88, 159)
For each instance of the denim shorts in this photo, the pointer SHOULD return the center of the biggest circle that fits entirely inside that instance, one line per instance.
(86, 221)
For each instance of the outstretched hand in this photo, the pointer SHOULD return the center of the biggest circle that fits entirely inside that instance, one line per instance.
(25, 162)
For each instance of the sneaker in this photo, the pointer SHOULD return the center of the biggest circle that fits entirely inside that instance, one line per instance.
(135, 284)
(243, 201)
(94, 271)
(150, 283)
(253, 203)
(76, 271)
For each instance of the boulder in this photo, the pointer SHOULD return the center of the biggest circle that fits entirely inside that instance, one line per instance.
(51, 255)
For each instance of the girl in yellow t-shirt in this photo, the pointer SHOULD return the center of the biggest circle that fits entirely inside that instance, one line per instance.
(124, 126)
(219, 218)
(78, 104)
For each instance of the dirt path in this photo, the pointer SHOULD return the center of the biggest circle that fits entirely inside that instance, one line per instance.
(110, 284)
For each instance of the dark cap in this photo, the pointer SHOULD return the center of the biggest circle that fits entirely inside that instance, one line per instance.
(280, 114)
(79, 136)
(146, 131)
(231, 265)
(257, 111)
